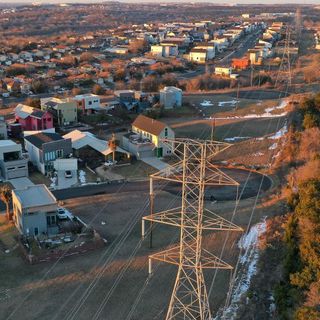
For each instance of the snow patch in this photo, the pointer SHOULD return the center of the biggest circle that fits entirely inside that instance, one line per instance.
(236, 138)
(267, 112)
(232, 102)
(53, 182)
(280, 133)
(274, 146)
(247, 268)
(82, 177)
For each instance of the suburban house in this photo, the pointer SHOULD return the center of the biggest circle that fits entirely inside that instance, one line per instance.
(221, 43)
(35, 211)
(12, 163)
(88, 147)
(254, 57)
(64, 111)
(198, 55)
(210, 47)
(170, 97)
(240, 63)
(144, 140)
(165, 50)
(33, 119)
(223, 71)
(88, 102)
(44, 148)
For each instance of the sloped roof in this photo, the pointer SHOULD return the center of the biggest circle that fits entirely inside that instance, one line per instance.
(81, 139)
(150, 125)
(23, 111)
(43, 137)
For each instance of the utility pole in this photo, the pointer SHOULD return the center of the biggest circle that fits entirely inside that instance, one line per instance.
(194, 171)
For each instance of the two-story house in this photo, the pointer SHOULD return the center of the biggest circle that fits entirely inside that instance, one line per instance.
(64, 111)
(12, 163)
(145, 138)
(88, 102)
(33, 119)
(44, 148)
(35, 210)
(170, 97)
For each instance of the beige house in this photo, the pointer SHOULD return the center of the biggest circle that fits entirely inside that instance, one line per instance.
(223, 71)
(64, 111)
(198, 55)
(148, 132)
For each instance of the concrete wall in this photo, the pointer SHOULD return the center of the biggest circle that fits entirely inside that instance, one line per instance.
(14, 169)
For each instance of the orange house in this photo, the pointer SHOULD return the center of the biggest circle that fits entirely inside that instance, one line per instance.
(240, 64)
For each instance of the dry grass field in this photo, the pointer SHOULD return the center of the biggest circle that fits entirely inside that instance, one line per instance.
(75, 287)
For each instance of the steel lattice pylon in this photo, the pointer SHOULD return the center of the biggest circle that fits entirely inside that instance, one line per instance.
(194, 171)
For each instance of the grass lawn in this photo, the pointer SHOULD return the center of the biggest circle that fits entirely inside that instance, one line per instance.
(137, 169)
(246, 128)
(8, 232)
(38, 178)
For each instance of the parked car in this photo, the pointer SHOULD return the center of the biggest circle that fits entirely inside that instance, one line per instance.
(109, 163)
(63, 213)
(68, 174)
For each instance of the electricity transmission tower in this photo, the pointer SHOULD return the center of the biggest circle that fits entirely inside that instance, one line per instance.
(285, 66)
(194, 171)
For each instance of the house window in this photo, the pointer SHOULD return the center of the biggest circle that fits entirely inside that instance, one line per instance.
(59, 153)
(166, 132)
(51, 220)
(90, 103)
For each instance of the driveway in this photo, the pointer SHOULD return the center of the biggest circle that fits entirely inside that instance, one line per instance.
(155, 163)
(21, 183)
(63, 182)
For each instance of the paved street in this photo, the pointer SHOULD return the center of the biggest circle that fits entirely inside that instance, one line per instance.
(90, 190)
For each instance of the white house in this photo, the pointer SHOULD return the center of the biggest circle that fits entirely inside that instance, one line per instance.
(165, 50)
(210, 47)
(170, 97)
(221, 43)
(88, 102)
(198, 55)
(223, 71)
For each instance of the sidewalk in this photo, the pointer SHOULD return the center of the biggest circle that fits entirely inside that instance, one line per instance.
(155, 163)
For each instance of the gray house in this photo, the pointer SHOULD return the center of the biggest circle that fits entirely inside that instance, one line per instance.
(35, 210)
(12, 164)
(44, 148)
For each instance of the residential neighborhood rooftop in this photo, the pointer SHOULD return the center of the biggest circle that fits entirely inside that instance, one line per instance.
(148, 124)
(43, 137)
(35, 196)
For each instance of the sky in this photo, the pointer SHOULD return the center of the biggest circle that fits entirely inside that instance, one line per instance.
(211, 1)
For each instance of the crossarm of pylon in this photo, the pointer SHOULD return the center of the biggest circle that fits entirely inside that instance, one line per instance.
(176, 145)
(211, 221)
(208, 260)
(214, 176)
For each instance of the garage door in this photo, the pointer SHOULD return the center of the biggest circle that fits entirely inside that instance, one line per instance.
(17, 173)
(146, 154)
